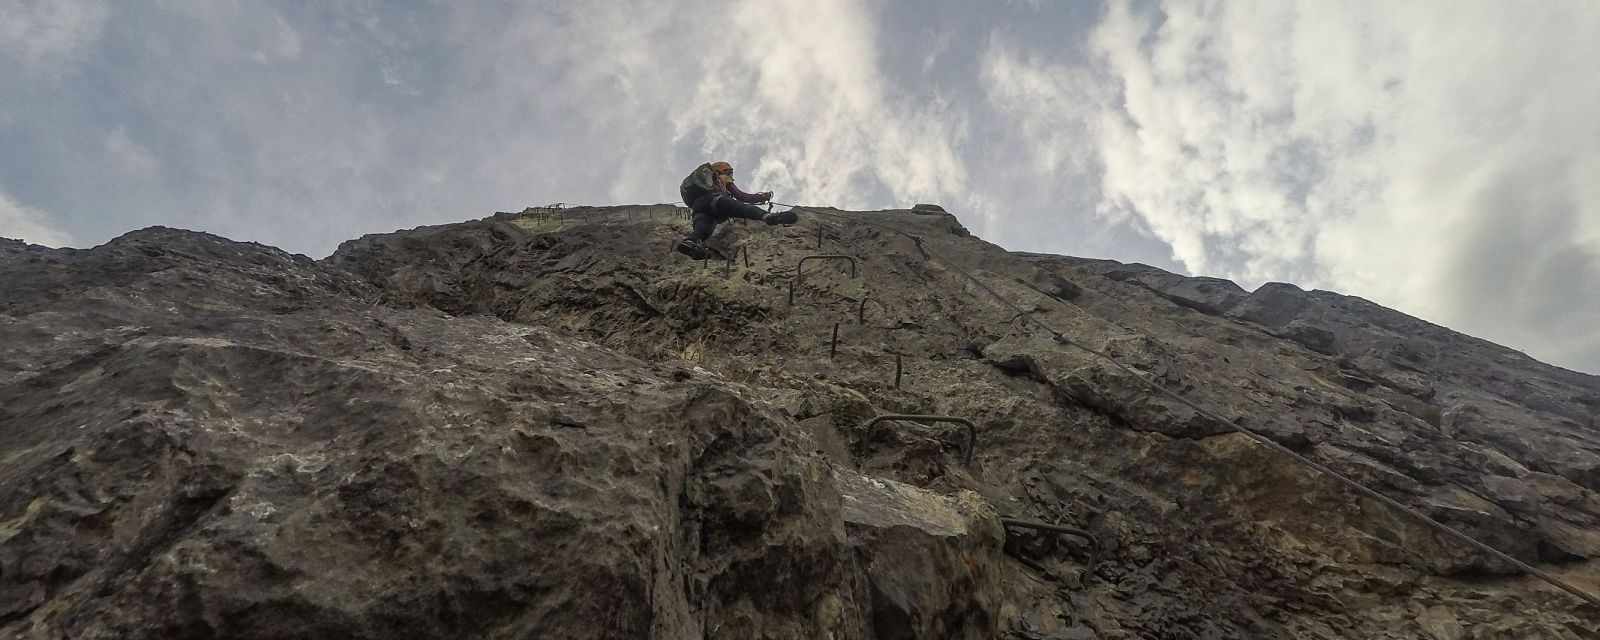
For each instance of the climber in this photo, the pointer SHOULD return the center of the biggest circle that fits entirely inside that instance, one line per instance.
(713, 197)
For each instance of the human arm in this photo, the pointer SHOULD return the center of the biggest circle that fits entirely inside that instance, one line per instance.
(750, 198)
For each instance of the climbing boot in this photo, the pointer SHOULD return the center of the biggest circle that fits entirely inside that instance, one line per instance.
(693, 249)
(781, 217)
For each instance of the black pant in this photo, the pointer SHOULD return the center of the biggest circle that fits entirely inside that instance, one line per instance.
(710, 210)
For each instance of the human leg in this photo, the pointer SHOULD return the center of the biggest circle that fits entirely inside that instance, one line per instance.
(704, 223)
(728, 207)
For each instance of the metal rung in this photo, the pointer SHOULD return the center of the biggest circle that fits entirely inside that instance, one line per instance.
(727, 267)
(1094, 543)
(799, 270)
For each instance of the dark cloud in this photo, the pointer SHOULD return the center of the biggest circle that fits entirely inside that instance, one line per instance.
(1520, 270)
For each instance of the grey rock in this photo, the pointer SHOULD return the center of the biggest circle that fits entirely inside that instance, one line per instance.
(1273, 305)
(544, 424)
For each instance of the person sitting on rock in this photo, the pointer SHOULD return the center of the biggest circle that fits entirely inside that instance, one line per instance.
(713, 197)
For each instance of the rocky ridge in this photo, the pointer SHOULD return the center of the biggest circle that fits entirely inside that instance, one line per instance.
(544, 424)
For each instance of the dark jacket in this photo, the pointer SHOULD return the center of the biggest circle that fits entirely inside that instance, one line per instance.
(703, 185)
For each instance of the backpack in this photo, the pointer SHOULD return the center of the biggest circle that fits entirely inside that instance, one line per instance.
(698, 184)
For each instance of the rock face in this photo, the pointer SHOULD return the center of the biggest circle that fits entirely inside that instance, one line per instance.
(546, 424)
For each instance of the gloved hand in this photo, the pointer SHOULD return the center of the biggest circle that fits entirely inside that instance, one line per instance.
(765, 195)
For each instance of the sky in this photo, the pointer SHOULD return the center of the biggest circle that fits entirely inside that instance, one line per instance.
(1438, 157)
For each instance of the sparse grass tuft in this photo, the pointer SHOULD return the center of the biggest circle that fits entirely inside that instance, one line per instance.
(540, 224)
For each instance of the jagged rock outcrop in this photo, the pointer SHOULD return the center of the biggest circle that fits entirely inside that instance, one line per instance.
(546, 424)
(207, 439)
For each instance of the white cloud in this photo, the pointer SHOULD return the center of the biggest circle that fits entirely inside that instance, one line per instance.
(1394, 154)
(816, 103)
(1051, 106)
(654, 88)
(128, 156)
(28, 224)
(1435, 158)
(282, 44)
(370, 118)
(1041, 165)
(41, 33)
